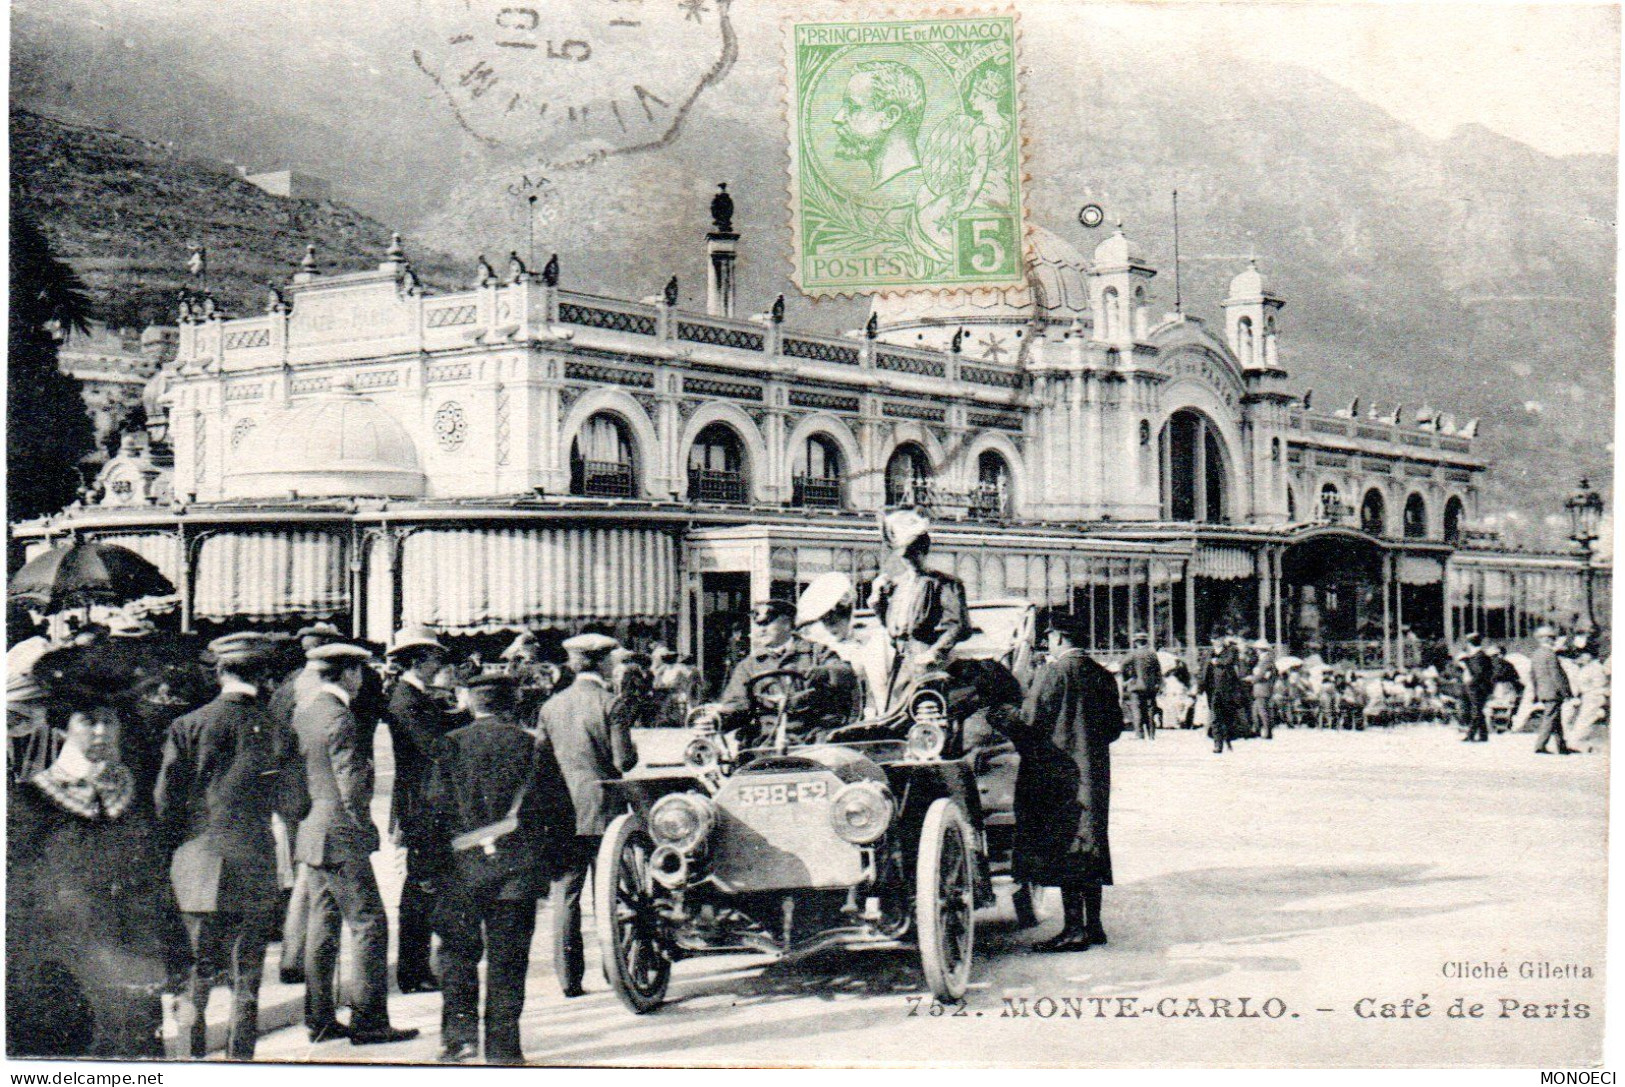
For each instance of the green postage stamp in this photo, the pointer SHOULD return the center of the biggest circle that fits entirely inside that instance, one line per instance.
(905, 154)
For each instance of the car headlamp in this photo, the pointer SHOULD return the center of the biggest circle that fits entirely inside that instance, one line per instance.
(861, 812)
(682, 820)
(926, 739)
(702, 753)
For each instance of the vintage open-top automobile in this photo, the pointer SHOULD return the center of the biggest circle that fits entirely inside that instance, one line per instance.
(872, 838)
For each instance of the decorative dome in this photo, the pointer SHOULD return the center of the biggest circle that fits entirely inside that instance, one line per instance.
(1116, 251)
(338, 444)
(1249, 284)
(1057, 292)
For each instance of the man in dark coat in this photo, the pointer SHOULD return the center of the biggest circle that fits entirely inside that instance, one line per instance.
(1549, 686)
(227, 768)
(1063, 786)
(1142, 679)
(592, 745)
(824, 702)
(1477, 683)
(417, 724)
(486, 772)
(1221, 681)
(335, 843)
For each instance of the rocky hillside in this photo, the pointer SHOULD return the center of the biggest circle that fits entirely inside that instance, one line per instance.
(125, 213)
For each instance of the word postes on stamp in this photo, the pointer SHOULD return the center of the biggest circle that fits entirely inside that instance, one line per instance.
(569, 84)
(905, 154)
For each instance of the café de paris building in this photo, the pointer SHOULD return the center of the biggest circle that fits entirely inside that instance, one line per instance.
(524, 455)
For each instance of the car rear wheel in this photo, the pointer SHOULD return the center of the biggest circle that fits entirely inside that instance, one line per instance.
(636, 963)
(944, 900)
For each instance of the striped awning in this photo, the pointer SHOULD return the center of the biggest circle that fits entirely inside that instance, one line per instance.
(271, 575)
(487, 579)
(162, 549)
(1224, 563)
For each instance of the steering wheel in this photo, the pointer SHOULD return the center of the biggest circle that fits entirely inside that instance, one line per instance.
(789, 682)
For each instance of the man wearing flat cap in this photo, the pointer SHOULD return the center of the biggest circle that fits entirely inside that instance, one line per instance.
(497, 808)
(591, 745)
(924, 611)
(227, 768)
(417, 725)
(774, 647)
(335, 843)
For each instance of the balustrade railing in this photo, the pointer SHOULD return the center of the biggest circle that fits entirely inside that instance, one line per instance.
(606, 479)
(716, 485)
(823, 492)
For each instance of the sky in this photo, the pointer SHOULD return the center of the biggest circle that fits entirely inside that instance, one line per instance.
(1544, 74)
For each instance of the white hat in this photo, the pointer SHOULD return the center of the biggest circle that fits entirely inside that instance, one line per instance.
(1546, 632)
(340, 652)
(23, 687)
(590, 643)
(903, 527)
(822, 595)
(524, 641)
(1262, 643)
(245, 647)
(413, 637)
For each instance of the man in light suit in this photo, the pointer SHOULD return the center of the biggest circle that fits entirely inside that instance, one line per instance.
(335, 843)
(591, 745)
(227, 767)
(1550, 688)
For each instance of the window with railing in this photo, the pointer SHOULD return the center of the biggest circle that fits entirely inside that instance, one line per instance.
(822, 492)
(818, 480)
(601, 462)
(990, 497)
(908, 477)
(716, 466)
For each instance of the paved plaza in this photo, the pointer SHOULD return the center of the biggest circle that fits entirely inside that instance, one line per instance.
(1337, 871)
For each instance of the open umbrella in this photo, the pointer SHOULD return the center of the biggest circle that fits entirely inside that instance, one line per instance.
(80, 574)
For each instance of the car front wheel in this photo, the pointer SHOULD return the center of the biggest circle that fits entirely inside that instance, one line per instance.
(945, 901)
(630, 931)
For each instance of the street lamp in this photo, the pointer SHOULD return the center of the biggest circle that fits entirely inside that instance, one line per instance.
(1585, 511)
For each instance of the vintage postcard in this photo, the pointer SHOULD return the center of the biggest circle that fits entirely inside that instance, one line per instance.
(653, 533)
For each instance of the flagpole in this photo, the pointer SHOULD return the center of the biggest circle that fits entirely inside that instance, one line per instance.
(1179, 297)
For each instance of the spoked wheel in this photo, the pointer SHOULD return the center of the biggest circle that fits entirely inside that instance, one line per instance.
(636, 963)
(944, 900)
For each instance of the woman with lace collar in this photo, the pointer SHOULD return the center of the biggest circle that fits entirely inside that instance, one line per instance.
(92, 933)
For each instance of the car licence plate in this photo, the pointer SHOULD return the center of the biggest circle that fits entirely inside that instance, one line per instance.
(784, 792)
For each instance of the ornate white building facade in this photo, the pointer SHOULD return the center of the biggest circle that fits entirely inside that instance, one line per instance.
(520, 454)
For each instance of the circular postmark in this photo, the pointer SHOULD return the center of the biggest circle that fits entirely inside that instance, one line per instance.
(570, 84)
(1091, 215)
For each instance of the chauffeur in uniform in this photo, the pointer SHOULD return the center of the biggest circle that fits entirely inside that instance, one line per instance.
(824, 702)
(592, 745)
(486, 903)
(335, 844)
(417, 724)
(227, 767)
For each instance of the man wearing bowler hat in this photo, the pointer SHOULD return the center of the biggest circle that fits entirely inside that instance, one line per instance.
(417, 725)
(498, 809)
(227, 767)
(591, 745)
(335, 843)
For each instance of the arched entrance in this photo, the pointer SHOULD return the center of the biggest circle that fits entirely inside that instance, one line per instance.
(1335, 599)
(1193, 477)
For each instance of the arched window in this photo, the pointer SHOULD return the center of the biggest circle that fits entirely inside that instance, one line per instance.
(1373, 514)
(1244, 340)
(1142, 315)
(601, 461)
(818, 483)
(1193, 479)
(1291, 504)
(1272, 355)
(1331, 502)
(992, 496)
(716, 466)
(908, 476)
(1109, 322)
(1416, 517)
(1455, 516)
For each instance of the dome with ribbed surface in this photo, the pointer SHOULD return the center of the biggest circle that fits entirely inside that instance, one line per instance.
(338, 444)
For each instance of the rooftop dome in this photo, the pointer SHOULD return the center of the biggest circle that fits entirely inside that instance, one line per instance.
(1116, 250)
(1057, 291)
(338, 444)
(1249, 284)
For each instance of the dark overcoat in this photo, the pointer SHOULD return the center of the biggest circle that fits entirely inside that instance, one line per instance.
(228, 767)
(1063, 787)
(1227, 692)
(590, 744)
(417, 726)
(339, 775)
(473, 782)
(92, 932)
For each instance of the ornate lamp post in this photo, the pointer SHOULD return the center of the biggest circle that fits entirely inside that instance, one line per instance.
(1585, 511)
